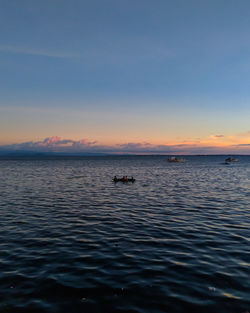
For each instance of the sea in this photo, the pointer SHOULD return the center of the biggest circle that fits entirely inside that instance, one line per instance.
(176, 240)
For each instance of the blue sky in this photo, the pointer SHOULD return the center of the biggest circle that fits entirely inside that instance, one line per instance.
(174, 70)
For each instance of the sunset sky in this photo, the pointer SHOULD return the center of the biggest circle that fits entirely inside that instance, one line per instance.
(141, 76)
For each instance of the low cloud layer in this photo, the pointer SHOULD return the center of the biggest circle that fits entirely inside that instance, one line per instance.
(56, 144)
(52, 144)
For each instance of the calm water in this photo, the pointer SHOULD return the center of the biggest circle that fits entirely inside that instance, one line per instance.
(177, 240)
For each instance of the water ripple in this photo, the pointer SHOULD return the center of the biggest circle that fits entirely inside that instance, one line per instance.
(177, 240)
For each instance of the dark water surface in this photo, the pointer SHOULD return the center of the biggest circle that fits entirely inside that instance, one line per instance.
(177, 240)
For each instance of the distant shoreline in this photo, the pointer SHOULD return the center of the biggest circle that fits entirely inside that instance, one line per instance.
(16, 155)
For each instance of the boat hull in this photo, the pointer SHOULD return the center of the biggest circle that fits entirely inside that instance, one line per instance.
(116, 180)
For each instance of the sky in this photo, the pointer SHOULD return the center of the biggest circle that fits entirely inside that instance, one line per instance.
(141, 76)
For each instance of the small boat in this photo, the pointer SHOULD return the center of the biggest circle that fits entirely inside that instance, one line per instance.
(228, 160)
(124, 179)
(175, 159)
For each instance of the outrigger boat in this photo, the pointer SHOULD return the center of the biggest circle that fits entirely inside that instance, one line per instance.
(124, 179)
(175, 159)
(228, 160)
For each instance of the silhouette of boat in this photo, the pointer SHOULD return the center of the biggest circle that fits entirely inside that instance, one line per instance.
(124, 179)
(229, 160)
(175, 159)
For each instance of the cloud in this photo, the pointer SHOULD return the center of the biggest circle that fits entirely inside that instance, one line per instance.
(53, 141)
(219, 136)
(56, 144)
(243, 145)
(111, 53)
(38, 52)
(216, 136)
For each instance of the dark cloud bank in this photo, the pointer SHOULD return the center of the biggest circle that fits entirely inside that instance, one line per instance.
(57, 145)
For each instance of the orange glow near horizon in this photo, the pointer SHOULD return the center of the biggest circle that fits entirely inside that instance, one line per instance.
(217, 143)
